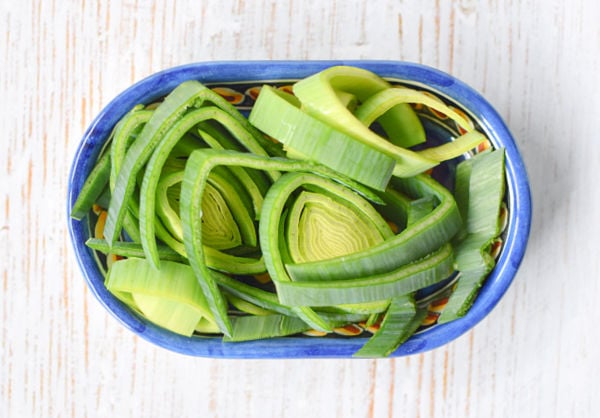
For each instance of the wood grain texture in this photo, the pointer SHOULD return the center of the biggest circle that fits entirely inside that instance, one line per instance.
(62, 355)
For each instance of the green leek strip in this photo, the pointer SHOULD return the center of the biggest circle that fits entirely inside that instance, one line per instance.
(278, 114)
(261, 298)
(245, 306)
(169, 297)
(126, 131)
(406, 279)
(357, 308)
(93, 187)
(132, 249)
(188, 95)
(166, 211)
(198, 168)
(486, 190)
(246, 328)
(318, 96)
(398, 324)
(421, 238)
(484, 174)
(162, 150)
(270, 226)
(463, 295)
(383, 101)
(214, 259)
(454, 148)
(255, 182)
(172, 235)
(419, 208)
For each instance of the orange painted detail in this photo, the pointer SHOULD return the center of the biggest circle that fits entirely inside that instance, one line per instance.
(263, 278)
(230, 95)
(314, 333)
(430, 319)
(253, 92)
(348, 330)
(99, 229)
(288, 89)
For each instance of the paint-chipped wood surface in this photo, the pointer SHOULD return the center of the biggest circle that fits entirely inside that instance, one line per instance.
(537, 61)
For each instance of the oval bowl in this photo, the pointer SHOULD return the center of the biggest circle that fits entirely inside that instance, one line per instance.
(239, 78)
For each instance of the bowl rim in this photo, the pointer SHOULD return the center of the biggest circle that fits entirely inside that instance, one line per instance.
(160, 83)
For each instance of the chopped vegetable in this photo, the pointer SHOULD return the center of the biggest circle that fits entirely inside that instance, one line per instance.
(313, 214)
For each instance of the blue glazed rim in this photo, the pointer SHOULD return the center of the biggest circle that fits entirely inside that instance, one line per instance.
(159, 84)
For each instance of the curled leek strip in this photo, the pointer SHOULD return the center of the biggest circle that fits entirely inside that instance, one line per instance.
(385, 100)
(198, 168)
(422, 237)
(172, 232)
(152, 174)
(402, 281)
(187, 96)
(401, 123)
(318, 223)
(306, 137)
(318, 96)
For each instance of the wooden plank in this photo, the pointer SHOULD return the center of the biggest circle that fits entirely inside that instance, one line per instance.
(62, 355)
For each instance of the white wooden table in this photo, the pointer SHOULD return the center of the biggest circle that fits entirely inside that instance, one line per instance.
(63, 355)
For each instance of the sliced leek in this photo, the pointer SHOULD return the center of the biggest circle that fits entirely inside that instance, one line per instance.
(312, 139)
(409, 278)
(169, 297)
(483, 177)
(423, 237)
(400, 321)
(338, 217)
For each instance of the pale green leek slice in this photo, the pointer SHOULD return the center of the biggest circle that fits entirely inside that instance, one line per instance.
(421, 238)
(172, 315)
(278, 114)
(406, 279)
(169, 297)
(319, 98)
(333, 223)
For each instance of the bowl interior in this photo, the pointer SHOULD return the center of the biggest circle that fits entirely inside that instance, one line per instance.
(239, 82)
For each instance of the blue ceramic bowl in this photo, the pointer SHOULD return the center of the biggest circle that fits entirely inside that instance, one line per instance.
(240, 77)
